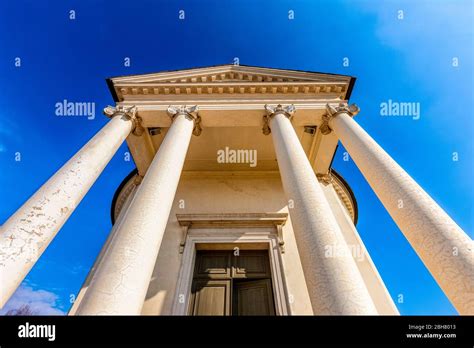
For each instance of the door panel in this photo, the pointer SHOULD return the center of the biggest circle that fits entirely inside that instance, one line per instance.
(253, 298)
(214, 265)
(251, 264)
(211, 297)
(225, 284)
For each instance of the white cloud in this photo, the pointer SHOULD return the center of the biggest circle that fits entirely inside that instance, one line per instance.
(41, 302)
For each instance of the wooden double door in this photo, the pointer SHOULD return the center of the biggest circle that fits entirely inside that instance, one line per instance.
(228, 284)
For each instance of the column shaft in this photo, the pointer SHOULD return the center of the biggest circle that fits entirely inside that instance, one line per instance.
(121, 280)
(446, 250)
(334, 283)
(28, 232)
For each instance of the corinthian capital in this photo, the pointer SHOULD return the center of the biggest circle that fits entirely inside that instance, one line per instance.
(333, 111)
(288, 110)
(129, 112)
(191, 114)
(351, 110)
(174, 110)
(271, 110)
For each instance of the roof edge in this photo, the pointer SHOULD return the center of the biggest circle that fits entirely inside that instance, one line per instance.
(230, 65)
(351, 87)
(110, 85)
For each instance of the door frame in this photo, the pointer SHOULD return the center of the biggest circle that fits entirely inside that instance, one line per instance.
(220, 234)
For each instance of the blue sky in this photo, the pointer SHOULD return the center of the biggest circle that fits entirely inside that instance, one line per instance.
(405, 60)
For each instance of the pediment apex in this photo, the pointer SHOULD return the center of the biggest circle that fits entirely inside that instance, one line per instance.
(229, 74)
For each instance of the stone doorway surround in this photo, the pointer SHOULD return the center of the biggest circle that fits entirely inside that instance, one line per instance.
(246, 231)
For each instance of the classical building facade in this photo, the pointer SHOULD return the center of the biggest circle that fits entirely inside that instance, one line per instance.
(233, 208)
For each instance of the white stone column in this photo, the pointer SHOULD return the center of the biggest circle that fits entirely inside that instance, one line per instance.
(334, 283)
(120, 282)
(28, 232)
(446, 250)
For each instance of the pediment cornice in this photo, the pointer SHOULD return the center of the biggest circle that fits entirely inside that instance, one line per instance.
(228, 80)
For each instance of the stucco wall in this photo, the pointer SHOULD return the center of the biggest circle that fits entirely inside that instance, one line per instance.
(239, 193)
(223, 194)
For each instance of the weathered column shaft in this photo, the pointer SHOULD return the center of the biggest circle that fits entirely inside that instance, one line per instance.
(120, 282)
(334, 282)
(446, 250)
(28, 232)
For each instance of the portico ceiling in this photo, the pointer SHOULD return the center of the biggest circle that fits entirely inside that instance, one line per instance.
(231, 101)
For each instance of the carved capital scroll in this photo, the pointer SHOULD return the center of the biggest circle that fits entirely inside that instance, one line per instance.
(271, 110)
(130, 113)
(333, 111)
(191, 114)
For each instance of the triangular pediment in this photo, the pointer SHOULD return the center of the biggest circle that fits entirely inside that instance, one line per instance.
(229, 79)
